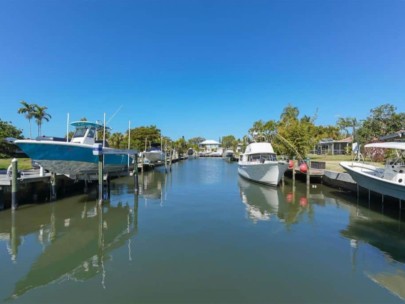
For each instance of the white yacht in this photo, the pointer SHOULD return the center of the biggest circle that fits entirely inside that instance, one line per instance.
(259, 163)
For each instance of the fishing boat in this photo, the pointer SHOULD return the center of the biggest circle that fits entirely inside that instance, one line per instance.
(388, 180)
(259, 163)
(154, 154)
(229, 156)
(75, 158)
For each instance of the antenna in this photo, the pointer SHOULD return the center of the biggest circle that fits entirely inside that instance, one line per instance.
(116, 112)
(67, 128)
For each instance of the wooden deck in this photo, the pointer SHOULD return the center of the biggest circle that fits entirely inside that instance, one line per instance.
(26, 176)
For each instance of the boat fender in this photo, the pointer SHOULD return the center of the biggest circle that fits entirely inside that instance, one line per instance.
(290, 164)
(303, 201)
(303, 168)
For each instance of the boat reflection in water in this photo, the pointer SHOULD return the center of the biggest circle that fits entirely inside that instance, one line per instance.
(371, 232)
(376, 240)
(261, 201)
(264, 202)
(77, 239)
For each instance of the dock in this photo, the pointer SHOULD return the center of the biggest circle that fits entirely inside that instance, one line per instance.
(26, 176)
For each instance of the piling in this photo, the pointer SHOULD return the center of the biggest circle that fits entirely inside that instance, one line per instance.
(53, 186)
(108, 185)
(170, 160)
(100, 178)
(308, 175)
(14, 184)
(166, 160)
(293, 171)
(98, 151)
(136, 178)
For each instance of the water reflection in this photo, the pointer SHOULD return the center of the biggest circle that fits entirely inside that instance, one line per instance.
(261, 201)
(376, 241)
(283, 203)
(392, 281)
(369, 231)
(377, 230)
(152, 185)
(76, 239)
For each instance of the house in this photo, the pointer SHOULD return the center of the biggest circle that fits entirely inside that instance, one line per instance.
(209, 145)
(334, 147)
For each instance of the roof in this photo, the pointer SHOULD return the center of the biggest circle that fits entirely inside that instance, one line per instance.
(259, 147)
(330, 140)
(387, 145)
(79, 124)
(209, 142)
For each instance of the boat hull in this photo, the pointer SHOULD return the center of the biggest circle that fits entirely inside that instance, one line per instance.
(71, 159)
(269, 173)
(154, 156)
(368, 177)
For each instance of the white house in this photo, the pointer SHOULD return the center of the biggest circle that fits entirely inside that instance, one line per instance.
(209, 145)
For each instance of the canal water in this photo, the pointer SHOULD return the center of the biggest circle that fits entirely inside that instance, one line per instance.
(201, 234)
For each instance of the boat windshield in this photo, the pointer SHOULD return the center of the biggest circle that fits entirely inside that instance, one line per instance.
(81, 132)
(260, 157)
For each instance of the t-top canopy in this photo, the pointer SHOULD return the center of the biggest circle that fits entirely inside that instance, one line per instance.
(84, 124)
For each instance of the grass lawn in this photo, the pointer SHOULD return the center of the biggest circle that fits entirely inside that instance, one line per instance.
(332, 161)
(23, 163)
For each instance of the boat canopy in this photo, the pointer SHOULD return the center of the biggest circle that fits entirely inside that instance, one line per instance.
(87, 124)
(259, 147)
(387, 145)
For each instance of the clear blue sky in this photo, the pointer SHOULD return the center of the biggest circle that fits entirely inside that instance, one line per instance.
(200, 68)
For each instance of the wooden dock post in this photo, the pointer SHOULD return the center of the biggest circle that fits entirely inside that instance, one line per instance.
(136, 177)
(100, 179)
(293, 171)
(98, 151)
(307, 161)
(53, 186)
(171, 159)
(165, 160)
(14, 184)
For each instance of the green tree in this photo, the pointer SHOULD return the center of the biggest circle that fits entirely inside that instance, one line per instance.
(28, 110)
(145, 134)
(181, 145)
(344, 123)
(40, 115)
(289, 115)
(382, 120)
(257, 131)
(194, 142)
(229, 142)
(116, 140)
(8, 130)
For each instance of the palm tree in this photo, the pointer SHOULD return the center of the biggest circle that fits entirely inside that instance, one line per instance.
(28, 110)
(290, 113)
(40, 114)
(116, 139)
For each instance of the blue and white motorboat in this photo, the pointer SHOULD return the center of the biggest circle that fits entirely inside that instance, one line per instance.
(75, 158)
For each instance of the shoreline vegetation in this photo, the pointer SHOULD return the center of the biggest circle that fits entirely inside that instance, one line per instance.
(293, 135)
